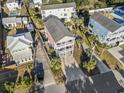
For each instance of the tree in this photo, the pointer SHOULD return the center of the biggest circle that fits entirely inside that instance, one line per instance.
(8, 87)
(55, 64)
(110, 2)
(68, 24)
(89, 66)
(32, 12)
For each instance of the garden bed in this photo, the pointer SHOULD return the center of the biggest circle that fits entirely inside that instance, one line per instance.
(56, 66)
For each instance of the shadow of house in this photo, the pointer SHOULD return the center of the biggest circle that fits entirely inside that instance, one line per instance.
(7, 75)
(102, 83)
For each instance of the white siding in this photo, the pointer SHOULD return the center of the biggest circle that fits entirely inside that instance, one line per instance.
(60, 13)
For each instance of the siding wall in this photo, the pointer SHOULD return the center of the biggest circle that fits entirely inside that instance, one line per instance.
(98, 29)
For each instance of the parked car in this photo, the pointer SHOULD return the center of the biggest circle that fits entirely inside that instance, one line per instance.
(39, 71)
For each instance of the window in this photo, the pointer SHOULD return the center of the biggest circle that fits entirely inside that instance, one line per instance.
(65, 14)
(25, 59)
(70, 41)
(91, 25)
(43, 12)
(58, 43)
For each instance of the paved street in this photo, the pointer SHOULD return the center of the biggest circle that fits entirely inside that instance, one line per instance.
(55, 89)
(41, 57)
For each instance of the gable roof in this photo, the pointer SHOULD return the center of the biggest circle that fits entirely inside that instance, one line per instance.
(13, 40)
(55, 6)
(57, 29)
(106, 22)
(101, 83)
(106, 83)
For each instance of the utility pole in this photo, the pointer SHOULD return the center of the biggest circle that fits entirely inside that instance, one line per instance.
(92, 52)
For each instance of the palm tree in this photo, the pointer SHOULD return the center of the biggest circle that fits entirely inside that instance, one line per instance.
(55, 64)
(8, 87)
(89, 66)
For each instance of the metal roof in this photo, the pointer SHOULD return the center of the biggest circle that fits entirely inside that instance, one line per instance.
(105, 22)
(13, 40)
(55, 6)
(56, 28)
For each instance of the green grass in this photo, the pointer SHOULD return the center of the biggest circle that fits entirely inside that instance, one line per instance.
(122, 46)
(111, 61)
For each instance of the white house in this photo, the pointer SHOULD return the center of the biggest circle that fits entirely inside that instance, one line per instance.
(59, 37)
(62, 11)
(20, 47)
(37, 2)
(13, 4)
(9, 22)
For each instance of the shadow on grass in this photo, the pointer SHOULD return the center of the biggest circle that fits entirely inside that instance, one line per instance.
(7, 75)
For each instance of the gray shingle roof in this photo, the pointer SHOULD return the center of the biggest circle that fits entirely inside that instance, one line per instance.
(106, 22)
(54, 6)
(106, 83)
(56, 28)
(101, 83)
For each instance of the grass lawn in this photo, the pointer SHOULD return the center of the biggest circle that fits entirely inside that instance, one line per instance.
(77, 53)
(21, 90)
(23, 11)
(111, 61)
(11, 32)
(5, 11)
(122, 46)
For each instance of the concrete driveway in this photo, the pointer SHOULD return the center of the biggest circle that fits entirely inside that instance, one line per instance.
(41, 57)
(72, 70)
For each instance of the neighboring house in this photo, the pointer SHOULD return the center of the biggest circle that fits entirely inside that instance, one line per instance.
(30, 27)
(13, 4)
(59, 37)
(119, 14)
(62, 11)
(118, 53)
(35, 3)
(20, 47)
(107, 31)
(10, 22)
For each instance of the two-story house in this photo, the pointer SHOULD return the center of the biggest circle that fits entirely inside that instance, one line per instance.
(59, 37)
(13, 4)
(107, 30)
(20, 47)
(10, 22)
(35, 3)
(62, 11)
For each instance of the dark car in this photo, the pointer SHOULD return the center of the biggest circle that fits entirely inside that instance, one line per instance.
(39, 71)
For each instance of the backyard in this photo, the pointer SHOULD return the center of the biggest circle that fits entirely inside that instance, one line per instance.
(23, 81)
